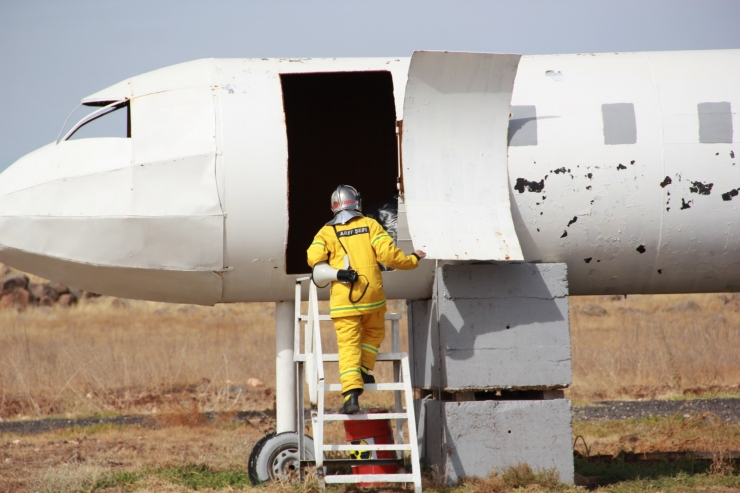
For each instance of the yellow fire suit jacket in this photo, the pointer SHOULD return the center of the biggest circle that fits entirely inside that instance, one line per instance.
(367, 243)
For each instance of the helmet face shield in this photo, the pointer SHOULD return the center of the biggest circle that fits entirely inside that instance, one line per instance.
(346, 198)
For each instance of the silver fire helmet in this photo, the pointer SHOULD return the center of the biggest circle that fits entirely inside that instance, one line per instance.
(346, 203)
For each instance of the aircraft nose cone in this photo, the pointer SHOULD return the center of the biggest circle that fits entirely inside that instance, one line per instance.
(16, 201)
(82, 213)
(50, 197)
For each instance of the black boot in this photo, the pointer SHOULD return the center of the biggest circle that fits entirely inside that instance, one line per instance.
(351, 402)
(366, 377)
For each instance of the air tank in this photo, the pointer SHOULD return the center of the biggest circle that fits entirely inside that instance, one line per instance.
(622, 165)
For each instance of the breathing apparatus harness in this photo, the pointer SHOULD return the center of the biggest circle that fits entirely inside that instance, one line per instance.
(353, 276)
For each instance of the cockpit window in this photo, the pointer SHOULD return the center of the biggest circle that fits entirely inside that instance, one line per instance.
(111, 120)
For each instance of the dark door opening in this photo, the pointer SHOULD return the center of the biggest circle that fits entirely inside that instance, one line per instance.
(341, 131)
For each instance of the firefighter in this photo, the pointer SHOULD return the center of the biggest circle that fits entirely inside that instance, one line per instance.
(354, 241)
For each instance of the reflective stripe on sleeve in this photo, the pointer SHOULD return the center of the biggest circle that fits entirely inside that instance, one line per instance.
(351, 370)
(317, 243)
(381, 236)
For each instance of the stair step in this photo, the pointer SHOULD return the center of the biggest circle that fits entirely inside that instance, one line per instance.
(349, 448)
(304, 318)
(311, 364)
(388, 316)
(370, 478)
(336, 387)
(364, 417)
(381, 357)
(356, 462)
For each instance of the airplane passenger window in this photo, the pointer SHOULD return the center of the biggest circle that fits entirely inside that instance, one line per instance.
(112, 120)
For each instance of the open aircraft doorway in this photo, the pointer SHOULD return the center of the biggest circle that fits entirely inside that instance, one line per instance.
(341, 130)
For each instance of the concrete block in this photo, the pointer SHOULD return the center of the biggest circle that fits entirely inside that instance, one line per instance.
(493, 326)
(464, 439)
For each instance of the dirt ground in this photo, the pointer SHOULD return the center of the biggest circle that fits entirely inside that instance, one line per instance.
(179, 386)
(53, 461)
(79, 458)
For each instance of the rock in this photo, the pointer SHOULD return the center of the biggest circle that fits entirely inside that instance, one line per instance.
(44, 301)
(255, 382)
(77, 293)
(119, 303)
(17, 298)
(36, 290)
(629, 439)
(733, 298)
(203, 385)
(60, 289)
(630, 310)
(13, 281)
(40, 291)
(583, 480)
(684, 306)
(67, 300)
(94, 300)
(593, 310)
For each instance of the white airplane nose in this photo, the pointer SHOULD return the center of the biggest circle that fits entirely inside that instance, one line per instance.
(81, 212)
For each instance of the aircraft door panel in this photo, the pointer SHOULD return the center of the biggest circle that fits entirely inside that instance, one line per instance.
(454, 155)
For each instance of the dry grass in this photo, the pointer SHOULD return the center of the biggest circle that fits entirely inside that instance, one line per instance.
(66, 459)
(109, 355)
(704, 432)
(512, 478)
(115, 355)
(655, 346)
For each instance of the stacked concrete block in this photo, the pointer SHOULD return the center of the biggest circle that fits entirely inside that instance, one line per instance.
(493, 329)
(474, 438)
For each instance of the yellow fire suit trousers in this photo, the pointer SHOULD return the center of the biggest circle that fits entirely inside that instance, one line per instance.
(358, 339)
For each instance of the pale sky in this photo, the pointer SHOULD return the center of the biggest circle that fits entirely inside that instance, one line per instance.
(55, 52)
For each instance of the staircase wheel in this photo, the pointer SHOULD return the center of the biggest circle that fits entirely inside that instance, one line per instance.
(275, 456)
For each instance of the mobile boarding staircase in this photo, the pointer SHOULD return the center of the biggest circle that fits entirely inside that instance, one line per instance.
(310, 365)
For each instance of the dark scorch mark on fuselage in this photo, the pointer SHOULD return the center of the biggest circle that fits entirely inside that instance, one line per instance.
(575, 218)
(641, 249)
(701, 188)
(666, 182)
(531, 186)
(621, 166)
(732, 193)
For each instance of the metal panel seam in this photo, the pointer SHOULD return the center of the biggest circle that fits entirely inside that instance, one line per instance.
(130, 166)
(118, 216)
(662, 162)
(162, 268)
(218, 162)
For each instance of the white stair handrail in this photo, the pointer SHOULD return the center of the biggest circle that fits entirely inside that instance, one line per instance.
(311, 363)
(308, 341)
(318, 354)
